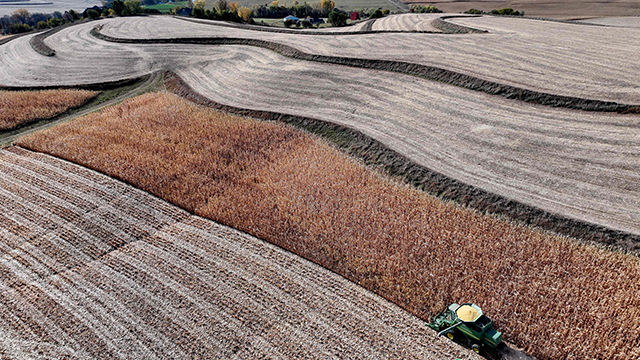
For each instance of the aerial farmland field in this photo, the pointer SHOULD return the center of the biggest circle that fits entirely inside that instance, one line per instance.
(293, 193)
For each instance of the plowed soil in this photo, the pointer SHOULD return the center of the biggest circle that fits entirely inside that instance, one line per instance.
(92, 268)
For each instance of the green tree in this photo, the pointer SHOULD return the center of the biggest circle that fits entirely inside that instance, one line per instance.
(75, 15)
(21, 15)
(376, 14)
(19, 28)
(92, 14)
(337, 18)
(118, 7)
(220, 6)
(53, 22)
(132, 7)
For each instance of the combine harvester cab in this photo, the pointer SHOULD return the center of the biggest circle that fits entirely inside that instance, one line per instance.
(468, 320)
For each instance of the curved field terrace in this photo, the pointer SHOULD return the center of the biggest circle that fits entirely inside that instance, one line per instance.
(577, 60)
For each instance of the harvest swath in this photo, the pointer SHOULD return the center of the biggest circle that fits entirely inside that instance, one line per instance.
(94, 269)
(300, 193)
(19, 107)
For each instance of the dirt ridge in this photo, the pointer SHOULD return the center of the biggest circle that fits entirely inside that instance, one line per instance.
(424, 71)
(451, 28)
(94, 86)
(37, 42)
(379, 155)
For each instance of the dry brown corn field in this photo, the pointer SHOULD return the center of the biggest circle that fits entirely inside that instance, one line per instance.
(546, 293)
(19, 107)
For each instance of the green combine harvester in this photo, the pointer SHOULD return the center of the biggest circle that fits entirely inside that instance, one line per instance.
(467, 320)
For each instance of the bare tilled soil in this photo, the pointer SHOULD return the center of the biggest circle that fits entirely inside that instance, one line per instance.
(415, 22)
(591, 62)
(577, 60)
(94, 268)
(627, 21)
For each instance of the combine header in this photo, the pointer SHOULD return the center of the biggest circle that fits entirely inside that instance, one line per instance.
(467, 320)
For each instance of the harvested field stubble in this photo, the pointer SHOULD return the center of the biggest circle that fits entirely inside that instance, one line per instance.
(19, 107)
(533, 59)
(415, 22)
(104, 270)
(297, 192)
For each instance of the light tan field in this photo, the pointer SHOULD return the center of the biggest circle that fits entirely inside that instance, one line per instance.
(627, 21)
(585, 61)
(93, 269)
(578, 164)
(554, 9)
(19, 107)
(407, 22)
(299, 193)
(578, 60)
